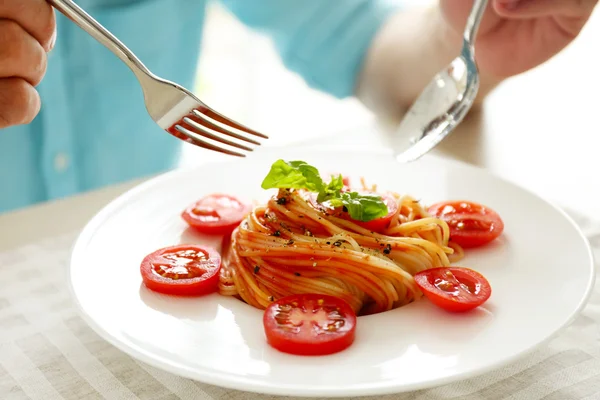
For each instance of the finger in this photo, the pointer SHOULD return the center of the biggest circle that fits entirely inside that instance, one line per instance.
(458, 12)
(544, 8)
(19, 102)
(35, 16)
(20, 54)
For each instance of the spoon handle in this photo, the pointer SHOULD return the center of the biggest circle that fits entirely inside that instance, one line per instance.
(474, 20)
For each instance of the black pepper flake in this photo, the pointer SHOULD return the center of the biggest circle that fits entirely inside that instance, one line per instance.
(256, 269)
(297, 273)
(271, 298)
(328, 242)
(388, 249)
(277, 233)
(337, 243)
(281, 201)
(290, 242)
(300, 216)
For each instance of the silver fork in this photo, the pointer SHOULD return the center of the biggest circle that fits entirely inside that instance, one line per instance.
(174, 108)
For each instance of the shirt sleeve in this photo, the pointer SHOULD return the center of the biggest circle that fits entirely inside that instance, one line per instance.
(325, 41)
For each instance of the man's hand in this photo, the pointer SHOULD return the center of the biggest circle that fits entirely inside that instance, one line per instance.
(515, 36)
(27, 33)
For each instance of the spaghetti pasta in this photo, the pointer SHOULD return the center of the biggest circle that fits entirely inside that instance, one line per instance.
(290, 245)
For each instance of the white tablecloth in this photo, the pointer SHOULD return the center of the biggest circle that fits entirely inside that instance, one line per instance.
(48, 352)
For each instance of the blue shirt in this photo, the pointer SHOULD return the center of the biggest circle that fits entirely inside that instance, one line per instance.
(93, 129)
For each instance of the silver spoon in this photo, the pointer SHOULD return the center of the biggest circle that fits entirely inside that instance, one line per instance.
(444, 102)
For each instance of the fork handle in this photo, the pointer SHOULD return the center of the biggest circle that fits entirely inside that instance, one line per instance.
(101, 34)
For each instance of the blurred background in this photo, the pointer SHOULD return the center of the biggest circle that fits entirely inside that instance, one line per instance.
(241, 75)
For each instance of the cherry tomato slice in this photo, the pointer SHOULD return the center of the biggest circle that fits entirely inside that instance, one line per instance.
(376, 225)
(216, 214)
(185, 270)
(471, 224)
(455, 289)
(309, 324)
(346, 181)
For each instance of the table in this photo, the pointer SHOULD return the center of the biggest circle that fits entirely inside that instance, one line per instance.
(538, 130)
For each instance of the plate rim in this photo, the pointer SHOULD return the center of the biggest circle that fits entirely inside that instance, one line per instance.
(248, 385)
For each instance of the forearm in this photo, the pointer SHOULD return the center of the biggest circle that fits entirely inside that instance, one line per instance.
(408, 51)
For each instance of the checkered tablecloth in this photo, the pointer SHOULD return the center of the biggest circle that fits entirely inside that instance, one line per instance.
(48, 352)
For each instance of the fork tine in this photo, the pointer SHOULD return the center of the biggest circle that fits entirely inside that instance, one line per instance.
(208, 113)
(191, 120)
(197, 140)
(211, 134)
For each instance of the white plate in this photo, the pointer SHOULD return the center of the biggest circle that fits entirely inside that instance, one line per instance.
(541, 273)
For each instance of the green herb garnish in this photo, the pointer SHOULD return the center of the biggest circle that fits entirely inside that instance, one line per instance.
(300, 175)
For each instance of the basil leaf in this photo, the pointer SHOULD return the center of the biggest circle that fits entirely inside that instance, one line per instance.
(293, 175)
(332, 190)
(363, 208)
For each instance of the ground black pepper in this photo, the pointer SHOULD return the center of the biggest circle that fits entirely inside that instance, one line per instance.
(388, 249)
